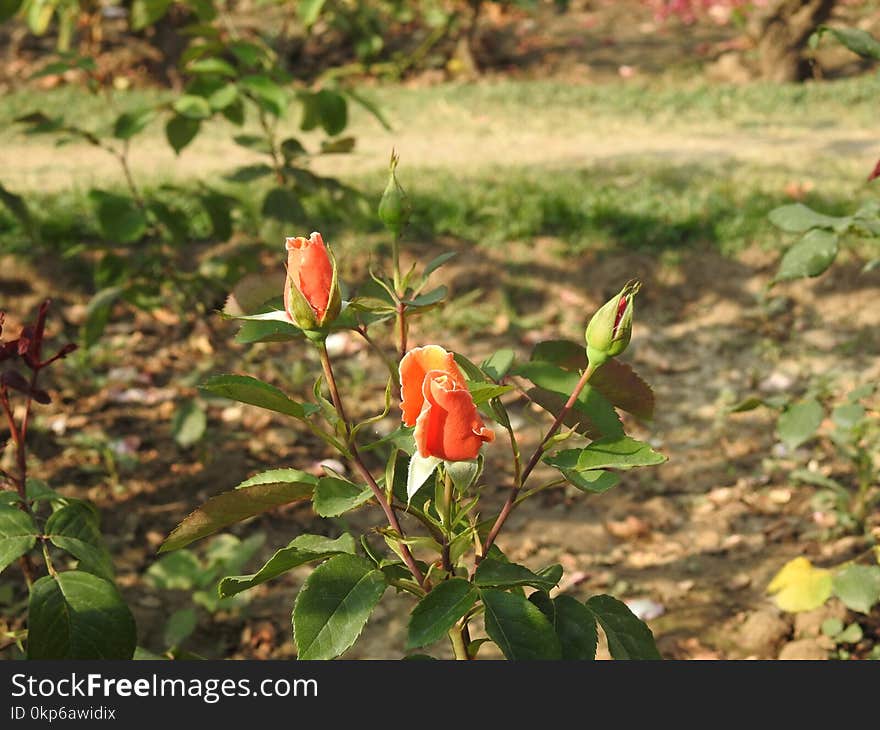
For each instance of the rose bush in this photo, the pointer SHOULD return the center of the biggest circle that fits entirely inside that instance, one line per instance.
(430, 477)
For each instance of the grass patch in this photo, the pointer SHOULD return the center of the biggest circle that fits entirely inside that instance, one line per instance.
(633, 205)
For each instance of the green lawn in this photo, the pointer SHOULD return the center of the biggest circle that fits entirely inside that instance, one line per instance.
(652, 167)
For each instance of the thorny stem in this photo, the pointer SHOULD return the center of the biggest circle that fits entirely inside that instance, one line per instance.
(365, 472)
(533, 462)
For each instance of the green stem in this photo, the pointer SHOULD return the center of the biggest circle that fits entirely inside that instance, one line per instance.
(446, 518)
(401, 328)
(459, 648)
(533, 462)
(395, 261)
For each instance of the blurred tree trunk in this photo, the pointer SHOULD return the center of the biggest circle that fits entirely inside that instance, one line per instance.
(781, 31)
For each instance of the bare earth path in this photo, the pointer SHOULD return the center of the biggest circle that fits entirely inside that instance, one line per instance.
(444, 134)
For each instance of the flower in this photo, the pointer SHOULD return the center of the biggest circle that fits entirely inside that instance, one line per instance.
(436, 400)
(610, 328)
(311, 291)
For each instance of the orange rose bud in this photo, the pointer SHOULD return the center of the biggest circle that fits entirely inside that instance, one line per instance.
(435, 398)
(311, 291)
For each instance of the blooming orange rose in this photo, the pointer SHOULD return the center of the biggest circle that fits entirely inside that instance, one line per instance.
(310, 271)
(436, 400)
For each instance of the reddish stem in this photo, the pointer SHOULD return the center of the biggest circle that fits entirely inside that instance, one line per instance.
(362, 469)
(533, 462)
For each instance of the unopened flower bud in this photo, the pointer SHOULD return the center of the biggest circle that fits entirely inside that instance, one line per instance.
(610, 329)
(311, 290)
(395, 207)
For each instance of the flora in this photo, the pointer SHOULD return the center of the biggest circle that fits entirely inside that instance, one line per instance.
(440, 542)
(72, 614)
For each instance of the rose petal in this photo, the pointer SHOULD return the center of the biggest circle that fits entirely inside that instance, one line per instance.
(414, 366)
(449, 426)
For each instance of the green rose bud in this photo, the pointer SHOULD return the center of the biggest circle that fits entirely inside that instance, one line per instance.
(610, 329)
(395, 207)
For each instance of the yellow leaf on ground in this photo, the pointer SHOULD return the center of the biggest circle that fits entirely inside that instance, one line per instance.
(800, 586)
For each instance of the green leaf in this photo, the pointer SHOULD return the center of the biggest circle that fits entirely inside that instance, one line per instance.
(848, 416)
(269, 331)
(858, 586)
(74, 528)
(189, 423)
(291, 148)
(303, 549)
(76, 615)
(858, 41)
(593, 482)
(119, 217)
(615, 380)
(309, 11)
(831, 627)
(215, 66)
(428, 299)
(179, 626)
(799, 422)
(609, 453)
(498, 364)
(798, 218)
(180, 131)
(223, 99)
(334, 496)
(518, 627)
(338, 146)
(592, 414)
(282, 204)
(249, 173)
(8, 8)
(574, 623)
(334, 604)
(497, 574)
(18, 207)
(180, 571)
(436, 263)
(482, 392)
(18, 534)
(147, 12)
(628, 636)
(324, 108)
(246, 389)
(259, 493)
(438, 612)
(270, 95)
(799, 586)
(463, 473)
(128, 124)
(809, 257)
(192, 107)
(852, 634)
(255, 142)
(98, 314)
